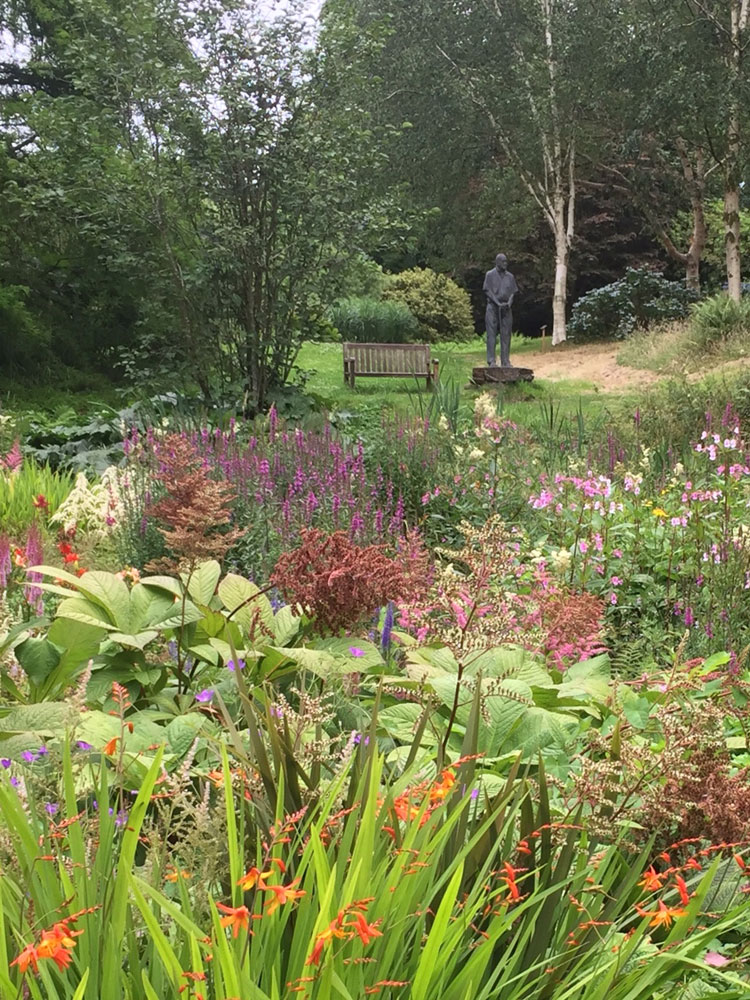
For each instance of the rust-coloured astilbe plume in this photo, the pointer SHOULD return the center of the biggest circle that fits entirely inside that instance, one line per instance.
(194, 512)
(573, 624)
(337, 582)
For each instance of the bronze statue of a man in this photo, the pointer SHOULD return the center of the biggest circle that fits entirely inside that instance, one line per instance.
(500, 287)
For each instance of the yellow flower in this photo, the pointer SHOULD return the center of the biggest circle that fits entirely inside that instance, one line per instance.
(658, 512)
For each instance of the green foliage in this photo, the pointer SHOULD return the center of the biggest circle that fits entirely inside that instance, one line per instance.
(374, 321)
(442, 308)
(445, 913)
(20, 489)
(637, 300)
(718, 320)
(24, 340)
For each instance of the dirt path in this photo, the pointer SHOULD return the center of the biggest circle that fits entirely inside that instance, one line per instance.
(594, 363)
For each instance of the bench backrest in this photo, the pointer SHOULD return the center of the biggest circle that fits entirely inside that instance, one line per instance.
(388, 359)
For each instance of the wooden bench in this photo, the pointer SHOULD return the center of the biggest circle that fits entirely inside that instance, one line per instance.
(389, 361)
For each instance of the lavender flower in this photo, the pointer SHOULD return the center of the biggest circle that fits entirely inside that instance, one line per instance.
(206, 694)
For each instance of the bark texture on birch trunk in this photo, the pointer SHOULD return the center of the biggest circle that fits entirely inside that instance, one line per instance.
(559, 299)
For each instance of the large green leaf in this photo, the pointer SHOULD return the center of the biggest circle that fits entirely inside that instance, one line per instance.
(150, 606)
(110, 593)
(139, 641)
(78, 640)
(320, 662)
(245, 603)
(401, 721)
(201, 583)
(78, 609)
(365, 653)
(500, 717)
(285, 626)
(588, 679)
(509, 661)
(38, 657)
(48, 718)
(182, 732)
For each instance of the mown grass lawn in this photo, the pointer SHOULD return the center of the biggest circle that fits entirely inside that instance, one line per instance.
(323, 365)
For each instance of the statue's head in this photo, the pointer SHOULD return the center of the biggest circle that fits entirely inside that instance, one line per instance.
(501, 262)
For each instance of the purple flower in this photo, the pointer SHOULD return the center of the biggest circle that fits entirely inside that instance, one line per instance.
(29, 756)
(121, 818)
(52, 808)
(15, 782)
(42, 750)
(83, 745)
(385, 635)
(356, 651)
(6, 761)
(238, 665)
(474, 793)
(206, 694)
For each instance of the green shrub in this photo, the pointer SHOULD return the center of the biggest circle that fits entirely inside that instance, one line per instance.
(369, 321)
(719, 319)
(23, 339)
(442, 309)
(635, 301)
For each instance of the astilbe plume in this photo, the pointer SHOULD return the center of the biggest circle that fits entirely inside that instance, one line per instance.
(194, 510)
(570, 624)
(6, 563)
(35, 555)
(339, 582)
(465, 604)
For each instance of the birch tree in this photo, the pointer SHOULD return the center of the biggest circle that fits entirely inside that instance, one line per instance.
(725, 30)
(521, 64)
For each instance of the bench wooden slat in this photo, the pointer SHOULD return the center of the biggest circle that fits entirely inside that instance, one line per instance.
(388, 360)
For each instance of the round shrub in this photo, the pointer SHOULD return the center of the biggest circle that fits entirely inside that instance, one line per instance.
(719, 319)
(635, 301)
(370, 321)
(442, 309)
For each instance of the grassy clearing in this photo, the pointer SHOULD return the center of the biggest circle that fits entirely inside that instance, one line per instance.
(671, 349)
(323, 363)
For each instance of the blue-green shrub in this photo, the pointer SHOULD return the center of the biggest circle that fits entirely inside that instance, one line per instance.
(637, 300)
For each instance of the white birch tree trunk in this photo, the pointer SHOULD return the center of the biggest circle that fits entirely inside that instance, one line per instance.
(560, 296)
(739, 18)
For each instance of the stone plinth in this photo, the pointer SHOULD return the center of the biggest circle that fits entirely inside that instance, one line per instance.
(501, 376)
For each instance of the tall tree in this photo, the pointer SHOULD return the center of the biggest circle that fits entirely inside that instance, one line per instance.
(521, 66)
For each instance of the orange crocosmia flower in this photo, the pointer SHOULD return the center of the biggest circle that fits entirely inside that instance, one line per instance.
(282, 894)
(334, 929)
(110, 746)
(28, 957)
(366, 931)
(60, 955)
(238, 918)
(651, 880)
(510, 880)
(174, 876)
(663, 916)
(682, 889)
(254, 876)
